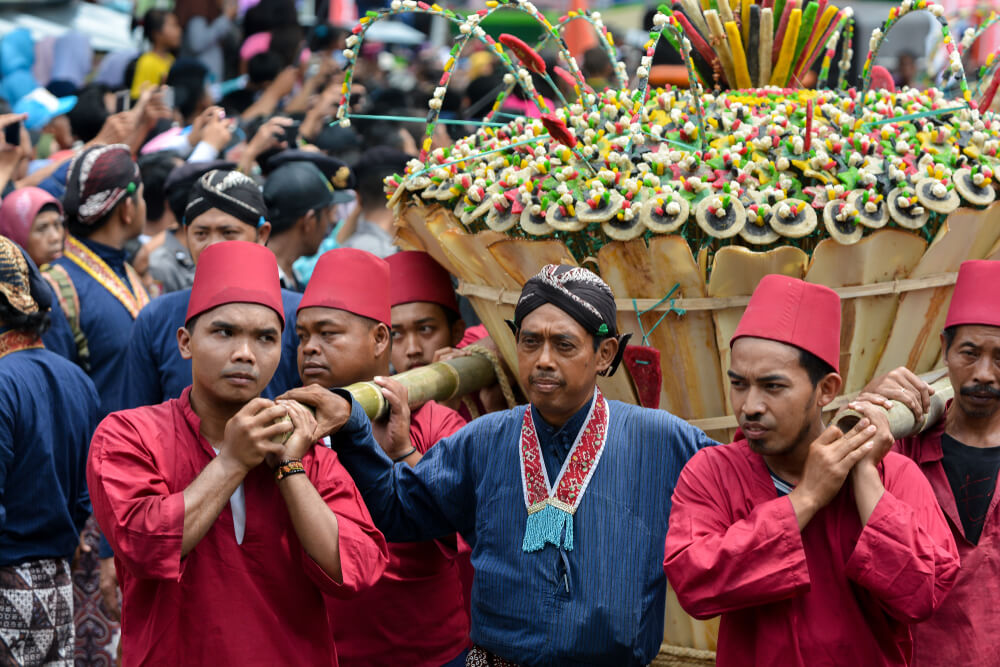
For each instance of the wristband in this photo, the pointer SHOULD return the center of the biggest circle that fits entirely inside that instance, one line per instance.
(409, 453)
(288, 467)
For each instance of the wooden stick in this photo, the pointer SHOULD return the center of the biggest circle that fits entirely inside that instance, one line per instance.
(766, 46)
(693, 12)
(805, 32)
(780, 75)
(753, 45)
(745, 21)
(718, 36)
(820, 44)
(739, 55)
(779, 37)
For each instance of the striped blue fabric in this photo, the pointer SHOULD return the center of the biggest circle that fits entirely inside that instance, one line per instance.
(601, 603)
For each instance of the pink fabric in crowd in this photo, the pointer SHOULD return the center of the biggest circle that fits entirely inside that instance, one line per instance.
(18, 211)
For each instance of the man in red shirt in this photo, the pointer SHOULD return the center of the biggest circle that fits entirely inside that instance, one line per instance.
(816, 546)
(414, 615)
(225, 540)
(960, 456)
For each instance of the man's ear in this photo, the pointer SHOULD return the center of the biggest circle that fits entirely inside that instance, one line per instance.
(263, 232)
(184, 342)
(828, 388)
(309, 222)
(607, 349)
(381, 339)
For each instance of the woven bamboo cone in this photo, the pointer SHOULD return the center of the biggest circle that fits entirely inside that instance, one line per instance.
(886, 255)
(914, 341)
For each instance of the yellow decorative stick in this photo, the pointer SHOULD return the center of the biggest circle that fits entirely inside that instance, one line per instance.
(739, 55)
(745, 21)
(717, 38)
(766, 46)
(780, 75)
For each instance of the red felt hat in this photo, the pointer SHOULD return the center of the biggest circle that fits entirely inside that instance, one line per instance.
(352, 280)
(235, 272)
(792, 311)
(417, 277)
(976, 299)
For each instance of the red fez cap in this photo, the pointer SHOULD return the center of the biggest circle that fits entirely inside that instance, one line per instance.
(976, 299)
(417, 277)
(792, 311)
(235, 272)
(352, 280)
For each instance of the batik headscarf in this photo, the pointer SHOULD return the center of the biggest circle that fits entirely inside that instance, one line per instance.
(581, 294)
(231, 192)
(99, 178)
(20, 281)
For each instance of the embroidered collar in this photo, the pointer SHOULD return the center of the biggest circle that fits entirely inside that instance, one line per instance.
(14, 341)
(133, 299)
(551, 507)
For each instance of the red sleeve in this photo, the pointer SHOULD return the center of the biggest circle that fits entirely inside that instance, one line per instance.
(472, 334)
(142, 519)
(363, 552)
(431, 423)
(716, 565)
(906, 555)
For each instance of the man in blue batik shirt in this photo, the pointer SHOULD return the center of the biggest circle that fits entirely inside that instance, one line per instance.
(570, 575)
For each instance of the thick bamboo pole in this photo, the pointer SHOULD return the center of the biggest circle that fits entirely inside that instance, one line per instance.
(440, 381)
(901, 420)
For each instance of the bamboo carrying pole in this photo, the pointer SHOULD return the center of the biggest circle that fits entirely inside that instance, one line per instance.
(439, 381)
(901, 420)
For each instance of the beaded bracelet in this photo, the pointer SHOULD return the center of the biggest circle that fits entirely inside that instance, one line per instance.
(288, 467)
(409, 453)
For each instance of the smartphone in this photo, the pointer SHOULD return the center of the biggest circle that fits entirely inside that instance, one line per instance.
(123, 101)
(12, 134)
(168, 96)
(292, 134)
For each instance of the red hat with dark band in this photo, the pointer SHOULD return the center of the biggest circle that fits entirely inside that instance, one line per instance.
(417, 277)
(976, 299)
(792, 311)
(235, 272)
(352, 280)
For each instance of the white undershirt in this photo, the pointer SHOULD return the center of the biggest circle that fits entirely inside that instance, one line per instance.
(238, 504)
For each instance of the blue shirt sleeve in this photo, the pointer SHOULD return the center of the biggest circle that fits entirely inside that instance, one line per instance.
(141, 383)
(58, 337)
(431, 500)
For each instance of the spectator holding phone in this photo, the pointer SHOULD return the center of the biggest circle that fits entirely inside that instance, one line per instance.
(163, 31)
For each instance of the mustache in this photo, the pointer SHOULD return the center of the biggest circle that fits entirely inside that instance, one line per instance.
(546, 377)
(980, 389)
(241, 370)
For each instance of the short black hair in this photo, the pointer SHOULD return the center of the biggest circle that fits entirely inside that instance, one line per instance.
(32, 323)
(264, 67)
(815, 368)
(152, 23)
(949, 336)
(155, 168)
(89, 115)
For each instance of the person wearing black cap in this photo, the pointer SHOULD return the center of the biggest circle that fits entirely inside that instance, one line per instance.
(565, 501)
(170, 264)
(224, 205)
(374, 232)
(48, 411)
(299, 199)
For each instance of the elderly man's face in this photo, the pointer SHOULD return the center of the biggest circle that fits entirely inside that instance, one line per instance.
(557, 362)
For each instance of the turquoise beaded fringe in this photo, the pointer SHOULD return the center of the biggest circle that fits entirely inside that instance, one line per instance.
(548, 525)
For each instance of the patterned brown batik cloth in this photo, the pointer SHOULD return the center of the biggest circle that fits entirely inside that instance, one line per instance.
(36, 614)
(480, 657)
